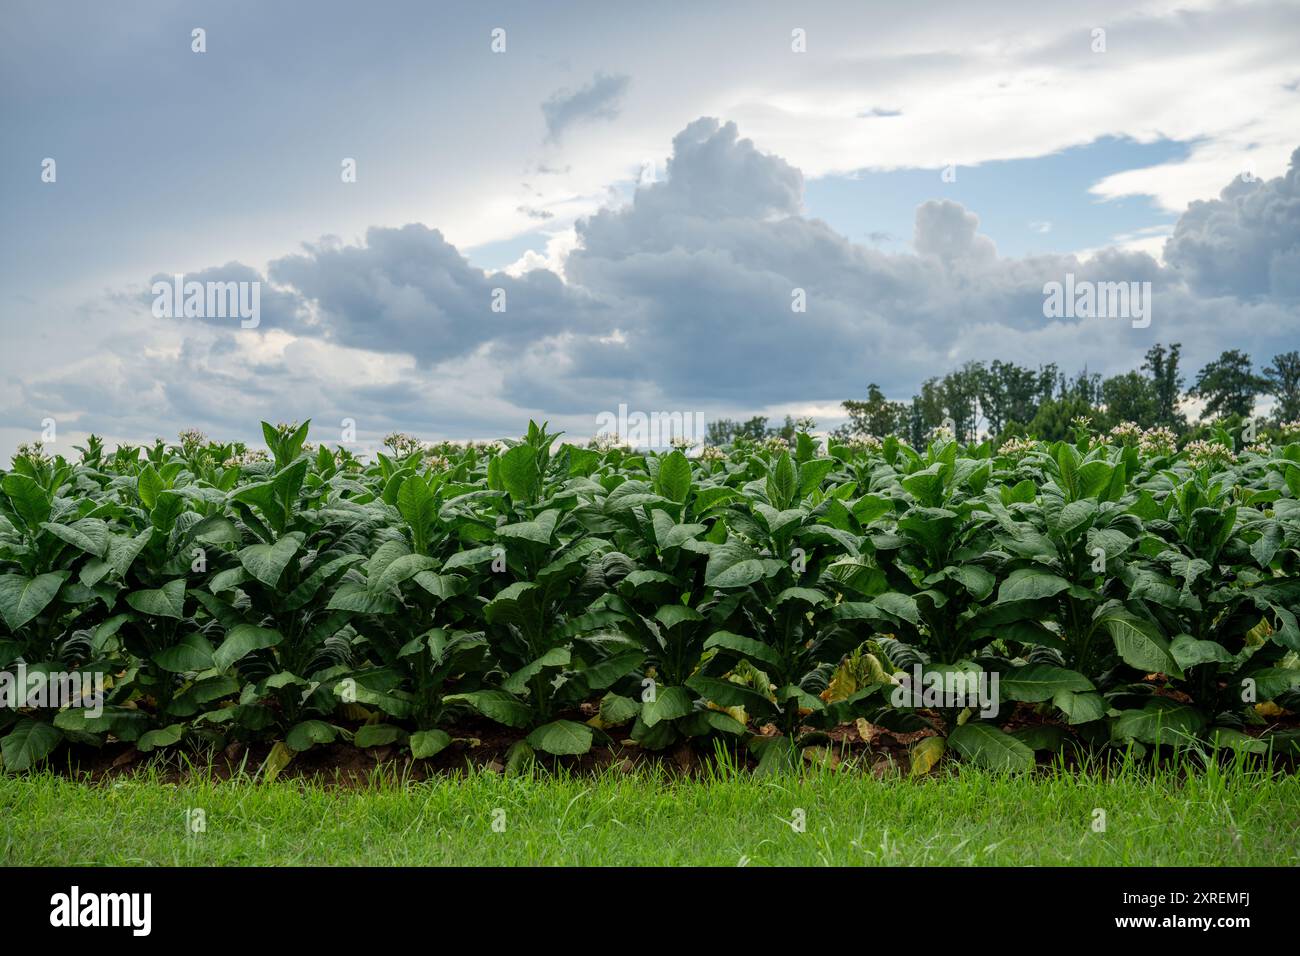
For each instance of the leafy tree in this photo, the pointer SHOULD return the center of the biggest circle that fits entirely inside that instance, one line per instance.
(1166, 384)
(1229, 385)
(876, 416)
(1010, 392)
(1130, 398)
(1283, 383)
(1053, 421)
(726, 430)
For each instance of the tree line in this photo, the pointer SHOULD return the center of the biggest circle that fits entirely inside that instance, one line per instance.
(1003, 400)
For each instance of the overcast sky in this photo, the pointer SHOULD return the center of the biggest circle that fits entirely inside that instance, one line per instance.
(648, 184)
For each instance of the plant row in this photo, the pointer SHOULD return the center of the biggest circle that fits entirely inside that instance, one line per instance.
(1102, 592)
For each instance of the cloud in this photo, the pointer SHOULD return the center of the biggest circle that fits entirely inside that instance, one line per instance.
(599, 99)
(681, 299)
(1246, 242)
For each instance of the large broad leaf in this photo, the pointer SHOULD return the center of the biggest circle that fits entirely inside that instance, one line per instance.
(30, 742)
(162, 737)
(561, 737)
(1080, 707)
(1039, 682)
(495, 705)
(122, 551)
(674, 478)
(243, 639)
(782, 484)
(377, 735)
(308, 733)
(193, 653)
(986, 746)
(22, 598)
(669, 703)
(1031, 584)
(1161, 721)
(400, 569)
(755, 650)
(519, 474)
(88, 534)
(417, 504)
(28, 498)
(166, 601)
(734, 566)
(266, 562)
(1189, 652)
(1139, 643)
(428, 743)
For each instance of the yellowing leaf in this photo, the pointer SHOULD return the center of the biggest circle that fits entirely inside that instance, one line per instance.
(925, 753)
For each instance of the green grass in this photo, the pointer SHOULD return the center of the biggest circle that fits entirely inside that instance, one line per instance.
(1212, 817)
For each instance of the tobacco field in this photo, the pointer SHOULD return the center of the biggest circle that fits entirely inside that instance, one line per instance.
(767, 597)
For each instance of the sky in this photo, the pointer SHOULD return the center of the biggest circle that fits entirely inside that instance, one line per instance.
(561, 208)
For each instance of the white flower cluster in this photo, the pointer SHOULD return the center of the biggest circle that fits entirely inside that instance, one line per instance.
(402, 444)
(1260, 448)
(941, 433)
(248, 457)
(1201, 452)
(192, 438)
(1017, 447)
(681, 443)
(775, 445)
(1157, 441)
(606, 441)
(865, 444)
(33, 452)
(712, 453)
(1126, 433)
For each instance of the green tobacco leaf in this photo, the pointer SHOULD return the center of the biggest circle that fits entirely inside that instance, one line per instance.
(377, 735)
(30, 742)
(1080, 707)
(1031, 584)
(22, 598)
(1189, 652)
(193, 653)
(28, 498)
(986, 746)
(561, 737)
(166, 601)
(164, 737)
(669, 704)
(266, 562)
(781, 483)
(518, 472)
(89, 534)
(308, 733)
(734, 566)
(1039, 682)
(674, 478)
(1161, 721)
(495, 705)
(428, 743)
(241, 640)
(1139, 643)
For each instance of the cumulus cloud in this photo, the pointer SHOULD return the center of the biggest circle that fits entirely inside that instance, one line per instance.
(1246, 242)
(596, 100)
(684, 298)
